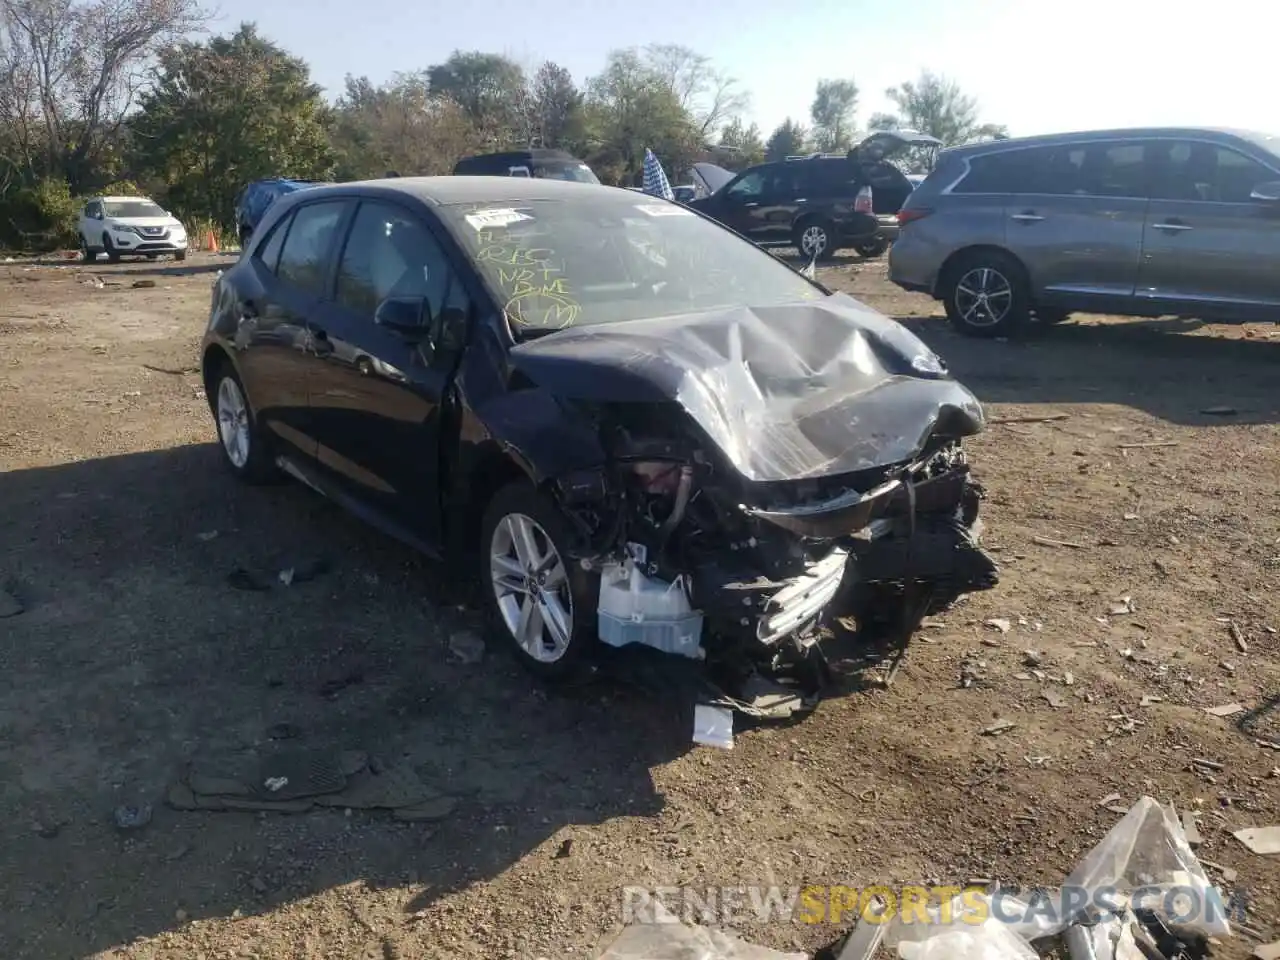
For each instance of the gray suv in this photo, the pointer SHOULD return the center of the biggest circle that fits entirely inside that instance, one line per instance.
(1142, 223)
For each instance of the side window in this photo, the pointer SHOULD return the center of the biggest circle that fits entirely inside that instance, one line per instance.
(304, 257)
(1205, 172)
(390, 253)
(268, 252)
(1114, 170)
(1033, 170)
(831, 178)
(750, 186)
(788, 182)
(93, 210)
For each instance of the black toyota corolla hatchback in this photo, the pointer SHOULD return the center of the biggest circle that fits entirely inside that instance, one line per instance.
(639, 427)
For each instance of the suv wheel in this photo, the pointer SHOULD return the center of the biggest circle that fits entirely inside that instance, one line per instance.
(112, 253)
(872, 248)
(541, 603)
(986, 295)
(815, 240)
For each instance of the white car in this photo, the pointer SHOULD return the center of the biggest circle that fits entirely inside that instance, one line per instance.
(129, 226)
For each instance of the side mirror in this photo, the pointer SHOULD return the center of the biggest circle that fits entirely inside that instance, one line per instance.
(1268, 192)
(408, 316)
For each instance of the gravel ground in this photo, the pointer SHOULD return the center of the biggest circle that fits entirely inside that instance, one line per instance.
(135, 657)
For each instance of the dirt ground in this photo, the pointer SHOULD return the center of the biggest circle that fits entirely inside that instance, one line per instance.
(135, 656)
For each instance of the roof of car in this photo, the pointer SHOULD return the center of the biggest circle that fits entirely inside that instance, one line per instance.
(1048, 139)
(446, 191)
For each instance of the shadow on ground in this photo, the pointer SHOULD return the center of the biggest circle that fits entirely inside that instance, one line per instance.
(135, 656)
(1156, 366)
(163, 267)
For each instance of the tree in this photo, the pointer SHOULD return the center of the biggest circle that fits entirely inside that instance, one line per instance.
(72, 71)
(489, 88)
(742, 145)
(789, 139)
(631, 107)
(937, 106)
(224, 113)
(400, 126)
(834, 105)
(710, 97)
(557, 109)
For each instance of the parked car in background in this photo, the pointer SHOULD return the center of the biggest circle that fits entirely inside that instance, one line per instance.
(819, 204)
(537, 163)
(129, 226)
(256, 197)
(1140, 222)
(515, 371)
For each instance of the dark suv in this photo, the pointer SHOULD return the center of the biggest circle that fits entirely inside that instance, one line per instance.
(822, 203)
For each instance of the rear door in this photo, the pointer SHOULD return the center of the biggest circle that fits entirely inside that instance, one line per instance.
(286, 279)
(1075, 217)
(1207, 243)
(376, 394)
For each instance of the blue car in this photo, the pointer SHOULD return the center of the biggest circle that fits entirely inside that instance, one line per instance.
(257, 196)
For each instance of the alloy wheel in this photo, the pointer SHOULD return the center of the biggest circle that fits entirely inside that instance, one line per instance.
(233, 422)
(531, 586)
(983, 297)
(813, 240)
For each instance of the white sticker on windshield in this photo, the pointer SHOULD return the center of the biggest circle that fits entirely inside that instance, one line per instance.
(497, 217)
(663, 210)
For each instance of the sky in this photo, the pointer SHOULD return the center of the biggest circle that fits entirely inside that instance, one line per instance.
(1034, 66)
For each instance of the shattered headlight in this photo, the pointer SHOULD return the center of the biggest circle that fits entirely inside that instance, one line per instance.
(929, 364)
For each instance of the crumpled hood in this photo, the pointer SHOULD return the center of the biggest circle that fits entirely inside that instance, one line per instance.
(805, 390)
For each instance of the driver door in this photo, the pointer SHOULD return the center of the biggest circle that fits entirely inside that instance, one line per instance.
(376, 394)
(740, 206)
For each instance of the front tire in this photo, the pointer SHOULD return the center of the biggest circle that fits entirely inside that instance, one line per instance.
(246, 450)
(113, 254)
(539, 601)
(815, 239)
(987, 294)
(872, 248)
(86, 255)
(180, 255)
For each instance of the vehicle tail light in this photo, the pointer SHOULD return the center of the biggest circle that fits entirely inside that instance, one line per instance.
(911, 216)
(862, 204)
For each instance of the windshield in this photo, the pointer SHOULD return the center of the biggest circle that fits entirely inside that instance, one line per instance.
(132, 208)
(606, 259)
(577, 172)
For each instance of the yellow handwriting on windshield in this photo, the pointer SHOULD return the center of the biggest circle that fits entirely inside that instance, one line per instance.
(538, 295)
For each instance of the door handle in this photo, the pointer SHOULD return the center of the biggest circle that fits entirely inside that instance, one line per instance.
(1171, 226)
(751, 204)
(1027, 217)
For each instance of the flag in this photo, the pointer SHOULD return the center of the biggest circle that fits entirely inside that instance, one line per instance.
(655, 178)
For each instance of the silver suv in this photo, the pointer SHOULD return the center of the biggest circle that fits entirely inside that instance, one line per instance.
(1142, 223)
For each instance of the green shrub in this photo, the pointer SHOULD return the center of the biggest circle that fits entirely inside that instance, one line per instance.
(40, 217)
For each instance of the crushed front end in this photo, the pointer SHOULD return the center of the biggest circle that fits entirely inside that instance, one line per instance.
(762, 566)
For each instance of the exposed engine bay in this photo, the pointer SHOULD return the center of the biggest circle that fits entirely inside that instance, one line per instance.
(753, 473)
(758, 567)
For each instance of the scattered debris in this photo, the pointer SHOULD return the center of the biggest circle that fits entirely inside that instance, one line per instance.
(1000, 623)
(1150, 699)
(1054, 700)
(1148, 444)
(1267, 951)
(466, 646)
(566, 849)
(173, 371)
(1049, 542)
(1238, 636)
(1047, 418)
(1069, 678)
(295, 782)
(997, 728)
(713, 726)
(1210, 764)
(1226, 710)
(1032, 658)
(665, 937)
(1260, 840)
(1121, 607)
(1161, 567)
(1109, 799)
(131, 817)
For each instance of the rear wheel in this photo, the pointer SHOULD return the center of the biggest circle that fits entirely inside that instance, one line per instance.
(816, 240)
(87, 255)
(987, 295)
(541, 603)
